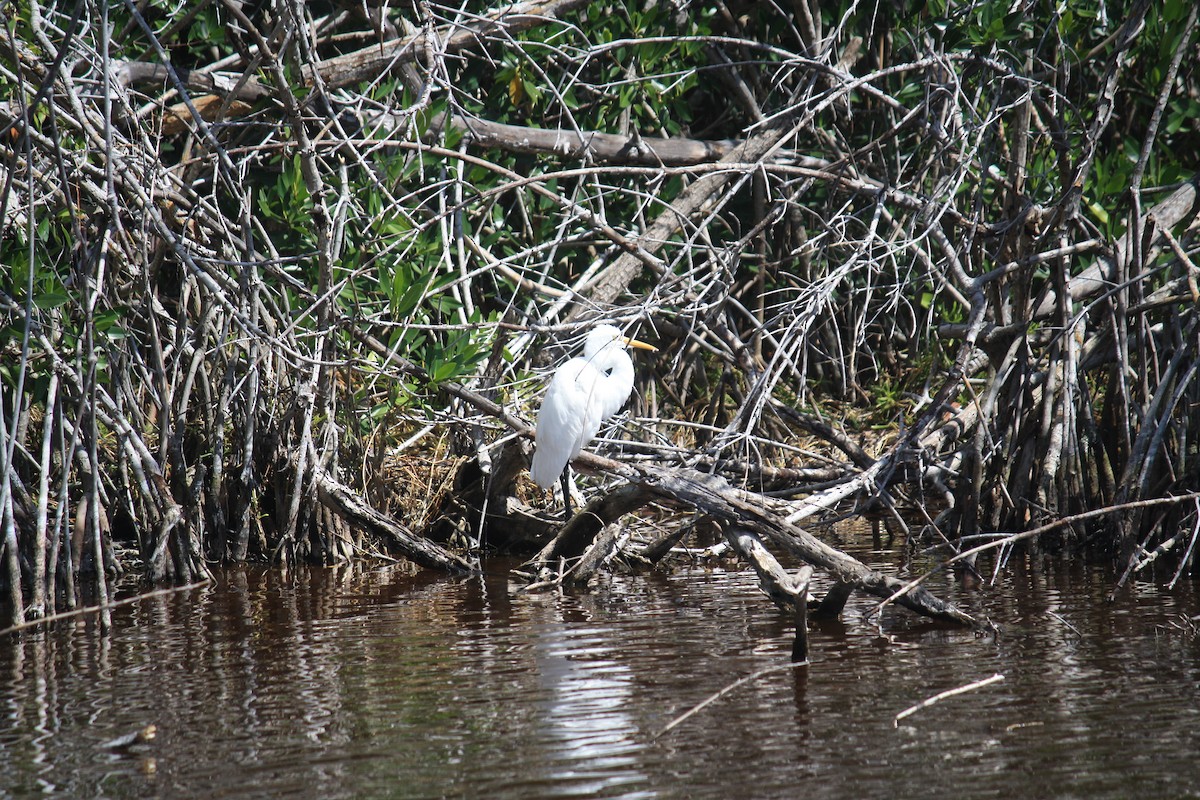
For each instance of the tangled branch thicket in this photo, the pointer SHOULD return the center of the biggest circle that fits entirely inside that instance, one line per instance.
(281, 279)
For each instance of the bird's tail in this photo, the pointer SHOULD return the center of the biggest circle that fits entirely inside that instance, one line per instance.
(542, 470)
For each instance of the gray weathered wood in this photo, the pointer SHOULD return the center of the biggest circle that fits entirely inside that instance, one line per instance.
(713, 495)
(351, 506)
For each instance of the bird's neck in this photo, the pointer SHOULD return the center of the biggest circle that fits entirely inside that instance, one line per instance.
(616, 381)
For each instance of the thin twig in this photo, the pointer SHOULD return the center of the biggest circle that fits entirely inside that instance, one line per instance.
(927, 702)
(731, 687)
(33, 623)
(1029, 534)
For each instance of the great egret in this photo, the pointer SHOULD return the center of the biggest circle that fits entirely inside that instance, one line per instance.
(584, 392)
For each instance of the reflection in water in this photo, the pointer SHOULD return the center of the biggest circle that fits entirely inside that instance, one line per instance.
(585, 726)
(353, 683)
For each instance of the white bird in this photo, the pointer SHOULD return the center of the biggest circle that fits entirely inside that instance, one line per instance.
(584, 392)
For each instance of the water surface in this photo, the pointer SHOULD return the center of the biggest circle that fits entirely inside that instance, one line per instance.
(359, 682)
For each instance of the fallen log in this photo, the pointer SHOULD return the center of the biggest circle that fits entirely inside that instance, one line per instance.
(349, 505)
(713, 495)
(603, 548)
(577, 534)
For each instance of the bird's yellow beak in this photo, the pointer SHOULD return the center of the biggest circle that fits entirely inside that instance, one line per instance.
(639, 345)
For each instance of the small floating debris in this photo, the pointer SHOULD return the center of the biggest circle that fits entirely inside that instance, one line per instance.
(141, 736)
(927, 702)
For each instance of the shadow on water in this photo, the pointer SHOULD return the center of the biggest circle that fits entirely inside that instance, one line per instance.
(378, 683)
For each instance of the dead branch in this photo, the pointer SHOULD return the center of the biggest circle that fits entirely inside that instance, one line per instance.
(940, 696)
(371, 62)
(713, 495)
(351, 506)
(784, 590)
(699, 197)
(579, 533)
(590, 146)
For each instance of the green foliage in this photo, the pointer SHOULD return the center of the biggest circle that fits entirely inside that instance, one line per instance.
(55, 308)
(978, 24)
(638, 65)
(388, 265)
(833, 256)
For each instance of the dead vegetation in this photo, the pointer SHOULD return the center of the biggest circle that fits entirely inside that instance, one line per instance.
(283, 280)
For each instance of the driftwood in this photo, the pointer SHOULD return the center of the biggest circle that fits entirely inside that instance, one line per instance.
(790, 592)
(713, 495)
(940, 696)
(604, 547)
(660, 546)
(577, 535)
(349, 505)
(785, 590)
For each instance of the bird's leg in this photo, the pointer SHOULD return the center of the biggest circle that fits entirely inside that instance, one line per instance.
(566, 489)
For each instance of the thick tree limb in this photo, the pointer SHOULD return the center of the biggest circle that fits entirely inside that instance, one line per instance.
(713, 495)
(603, 547)
(776, 583)
(375, 60)
(575, 537)
(592, 145)
(690, 203)
(350, 505)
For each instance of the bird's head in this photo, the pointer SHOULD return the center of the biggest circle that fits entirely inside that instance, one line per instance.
(603, 336)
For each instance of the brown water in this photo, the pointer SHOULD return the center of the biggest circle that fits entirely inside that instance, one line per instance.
(353, 683)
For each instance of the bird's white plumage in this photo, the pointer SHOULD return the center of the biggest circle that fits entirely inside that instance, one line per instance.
(584, 392)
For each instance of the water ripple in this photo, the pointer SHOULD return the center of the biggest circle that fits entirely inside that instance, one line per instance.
(381, 683)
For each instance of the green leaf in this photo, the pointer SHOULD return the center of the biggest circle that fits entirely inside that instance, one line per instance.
(49, 300)
(1098, 211)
